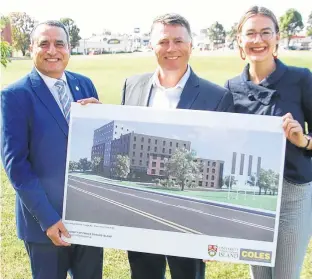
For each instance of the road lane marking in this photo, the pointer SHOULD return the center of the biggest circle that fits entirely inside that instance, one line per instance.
(185, 208)
(140, 212)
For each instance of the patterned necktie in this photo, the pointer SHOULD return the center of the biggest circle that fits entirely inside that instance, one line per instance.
(64, 98)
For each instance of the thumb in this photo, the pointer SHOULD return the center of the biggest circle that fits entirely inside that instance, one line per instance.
(63, 230)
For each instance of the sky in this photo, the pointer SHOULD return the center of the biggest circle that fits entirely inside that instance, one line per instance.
(208, 143)
(124, 15)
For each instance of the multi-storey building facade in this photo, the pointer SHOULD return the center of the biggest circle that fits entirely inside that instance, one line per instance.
(211, 173)
(102, 139)
(146, 153)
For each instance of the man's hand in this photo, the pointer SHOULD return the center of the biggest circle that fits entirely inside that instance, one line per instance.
(293, 131)
(91, 100)
(55, 232)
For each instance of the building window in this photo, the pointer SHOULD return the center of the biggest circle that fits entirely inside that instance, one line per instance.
(200, 183)
(164, 143)
(162, 157)
(133, 153)
(206, 184)
(213, 164)
(141, 147)
(212, 184)
(154, 156)
(161, 172)
(140, 162)
(207, 176)
(171, 144)
(207, 169)
(141, 155)
(134, 138)
(169, 151)
(212, 177)
(208, 163)
(155, 149)
(177, 144)
(134, 146)
(163, 150)
(153, 171)
(154, 164)
(184, 145)
(155, 141)
(162, 165)
(213, 171)
(149, 140)
(142, 139)
(132, 161)
(147, 155)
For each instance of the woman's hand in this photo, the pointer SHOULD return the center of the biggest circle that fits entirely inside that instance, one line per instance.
(294, 131)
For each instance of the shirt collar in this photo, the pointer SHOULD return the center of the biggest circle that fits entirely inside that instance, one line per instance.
(180, 84)
(50, 82)
(270, 79)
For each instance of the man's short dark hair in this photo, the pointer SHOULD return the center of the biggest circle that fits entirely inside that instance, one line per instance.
(172, 19)
(55, 23)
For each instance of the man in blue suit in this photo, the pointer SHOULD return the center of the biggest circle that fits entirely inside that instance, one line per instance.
(172, 85)
(35, 114)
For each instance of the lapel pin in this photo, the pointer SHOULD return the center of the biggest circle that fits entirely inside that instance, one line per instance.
(77, 88)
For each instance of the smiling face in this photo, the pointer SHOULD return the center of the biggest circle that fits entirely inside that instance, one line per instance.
(50, 50)
(258, 38)
(172, 45)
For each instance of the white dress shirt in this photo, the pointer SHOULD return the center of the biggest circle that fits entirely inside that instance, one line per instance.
(50, 82)
(164, 98)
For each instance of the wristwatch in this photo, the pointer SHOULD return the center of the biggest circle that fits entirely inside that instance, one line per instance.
(308, 142)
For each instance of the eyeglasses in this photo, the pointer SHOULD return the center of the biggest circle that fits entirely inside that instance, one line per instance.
(265, 35)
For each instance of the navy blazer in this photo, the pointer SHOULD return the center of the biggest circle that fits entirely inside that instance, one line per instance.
(287, 89)
(198, 93)
(33, 150)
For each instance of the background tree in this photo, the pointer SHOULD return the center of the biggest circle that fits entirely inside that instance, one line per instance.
(122, 168)
(309, 25)
(73, 166)
(229, 181)
(232, 34)
(73, 31)
(96, 164)
(182, 167)
(216, 33)
(290, 24)
(268, 180)
(22, 25)
(5, 48)
(84, 164)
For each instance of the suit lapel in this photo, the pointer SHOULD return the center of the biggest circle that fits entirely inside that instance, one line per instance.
(46, 97)
(74, 86)
(190, 92)
(146, 88)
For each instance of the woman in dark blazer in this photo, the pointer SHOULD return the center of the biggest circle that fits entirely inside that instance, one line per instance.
(269, 87)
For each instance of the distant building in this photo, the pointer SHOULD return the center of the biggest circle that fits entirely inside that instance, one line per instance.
(147, 154)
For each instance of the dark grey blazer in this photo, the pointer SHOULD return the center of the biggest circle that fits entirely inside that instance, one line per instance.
(198, 94)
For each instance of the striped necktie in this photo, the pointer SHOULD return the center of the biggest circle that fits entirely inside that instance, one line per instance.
(64, 98)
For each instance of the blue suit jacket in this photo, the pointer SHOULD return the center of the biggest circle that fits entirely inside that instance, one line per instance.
(198, 94)
(33, 150)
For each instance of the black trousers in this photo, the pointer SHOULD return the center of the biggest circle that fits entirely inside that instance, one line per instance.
(153, 266)
(52, 262)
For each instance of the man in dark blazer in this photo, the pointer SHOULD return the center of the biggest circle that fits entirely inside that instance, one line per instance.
(173, 85)
(35, 114)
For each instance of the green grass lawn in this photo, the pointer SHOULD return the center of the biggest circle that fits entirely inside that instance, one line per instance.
(108, 73)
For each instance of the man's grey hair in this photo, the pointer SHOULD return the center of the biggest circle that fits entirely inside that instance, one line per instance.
(172, 19)
(55, 23)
